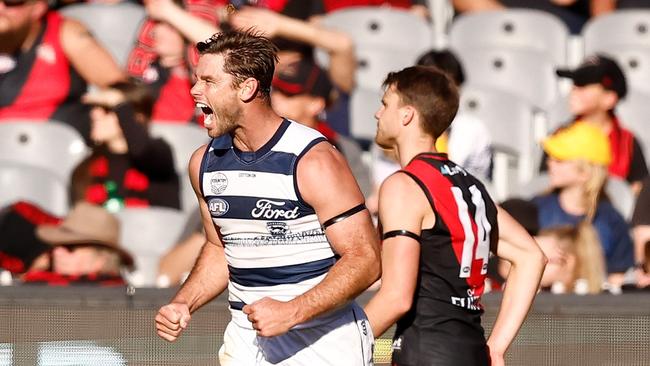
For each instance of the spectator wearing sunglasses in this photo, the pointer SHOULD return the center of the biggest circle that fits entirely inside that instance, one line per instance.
(46, 61)
(128, 167)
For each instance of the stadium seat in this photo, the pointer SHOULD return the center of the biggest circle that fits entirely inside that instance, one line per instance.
(148, 233)
(373, 65)
(634, 113)
(518, 72)
(618, 191)
(33, 184)
(53, 146)
(385, 39)
(382, 28)
(523, 29)
(620, 29)
(184, 139)
(510, 121)
(364, 103)
(114, 25)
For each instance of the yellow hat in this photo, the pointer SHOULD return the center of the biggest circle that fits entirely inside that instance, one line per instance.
(580, 141)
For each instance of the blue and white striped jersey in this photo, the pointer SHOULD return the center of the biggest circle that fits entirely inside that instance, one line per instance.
(274, 244)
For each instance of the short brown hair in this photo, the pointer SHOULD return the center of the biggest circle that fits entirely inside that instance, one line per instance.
(431, 92)
(246, 54)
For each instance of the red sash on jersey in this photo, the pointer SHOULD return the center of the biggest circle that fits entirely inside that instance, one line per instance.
(438, 189)
(621, 142)
(48, 83)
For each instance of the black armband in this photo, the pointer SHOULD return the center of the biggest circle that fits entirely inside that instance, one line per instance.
(394, 233)
(344, 215)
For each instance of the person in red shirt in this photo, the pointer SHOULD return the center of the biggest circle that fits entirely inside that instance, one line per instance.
(46, 61)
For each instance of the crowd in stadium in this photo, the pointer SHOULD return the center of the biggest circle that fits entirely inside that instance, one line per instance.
(97, 123)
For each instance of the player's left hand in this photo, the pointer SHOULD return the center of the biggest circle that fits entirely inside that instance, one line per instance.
(271, 317)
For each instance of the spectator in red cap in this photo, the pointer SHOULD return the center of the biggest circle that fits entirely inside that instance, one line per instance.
(302, 92)
(599, 84)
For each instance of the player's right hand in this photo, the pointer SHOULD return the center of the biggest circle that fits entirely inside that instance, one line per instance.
(171, 320)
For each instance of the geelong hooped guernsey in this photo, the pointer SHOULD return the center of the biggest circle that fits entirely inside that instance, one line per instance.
(444, 322)
(274, 244)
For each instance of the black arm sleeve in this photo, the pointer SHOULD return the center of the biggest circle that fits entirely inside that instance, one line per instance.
(152, 156)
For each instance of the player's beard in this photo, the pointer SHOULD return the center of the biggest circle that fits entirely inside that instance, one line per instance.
(226, 120)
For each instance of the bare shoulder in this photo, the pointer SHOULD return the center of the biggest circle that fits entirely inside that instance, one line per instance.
(323, 173)
(195, 164)
(402, 203)
(399, 187)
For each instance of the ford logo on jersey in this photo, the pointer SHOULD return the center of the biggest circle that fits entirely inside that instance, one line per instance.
(218, 206)
(270, 210)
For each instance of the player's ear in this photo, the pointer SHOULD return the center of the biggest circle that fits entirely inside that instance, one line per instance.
(248, 89)
(406, 114)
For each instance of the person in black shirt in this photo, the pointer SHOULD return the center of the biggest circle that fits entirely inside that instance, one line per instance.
(128, 167)
(438, 227)
(641, 232)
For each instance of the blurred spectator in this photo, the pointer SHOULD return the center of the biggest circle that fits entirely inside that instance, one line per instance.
(165, 52)
(45, 63)
(641, 225)
(20, 249)
(574, 13)
(85, 249)
(418, 7)
(338, 45)
(301, 92)
(578, 157)
(574, 265)
(128, 167)
(599, 84)
(468, 141)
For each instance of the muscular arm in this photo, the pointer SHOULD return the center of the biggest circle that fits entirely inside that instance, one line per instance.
(91, 60)
(527, 264)
(322, 174)
(209, 277)
(399, 209)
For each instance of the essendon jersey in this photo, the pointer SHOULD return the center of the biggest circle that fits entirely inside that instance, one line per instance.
(444, 321)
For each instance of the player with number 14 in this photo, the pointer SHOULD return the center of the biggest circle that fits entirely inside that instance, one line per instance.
(439, 226)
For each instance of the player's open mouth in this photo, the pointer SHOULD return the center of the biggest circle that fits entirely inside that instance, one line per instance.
(208, 113)
(204, 108)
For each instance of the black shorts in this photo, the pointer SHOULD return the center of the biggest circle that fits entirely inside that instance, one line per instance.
(414, 350)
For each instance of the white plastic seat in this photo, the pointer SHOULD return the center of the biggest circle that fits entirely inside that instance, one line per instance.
(524, 29)
(364, 103)
(114, 25)
(28, 183)
(518, 72)
(619, 29)
(148, 233)
(510, 121)
(52, 146)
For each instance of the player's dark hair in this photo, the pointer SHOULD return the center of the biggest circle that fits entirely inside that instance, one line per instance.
(431, 92)
(247, 54)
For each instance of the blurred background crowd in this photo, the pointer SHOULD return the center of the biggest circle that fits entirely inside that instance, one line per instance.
(97, 123)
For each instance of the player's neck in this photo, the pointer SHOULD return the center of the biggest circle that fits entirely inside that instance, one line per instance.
(259, 125)
(410, 148)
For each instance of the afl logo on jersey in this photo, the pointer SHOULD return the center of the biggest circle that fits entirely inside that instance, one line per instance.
(218, 183)
(218, 207)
